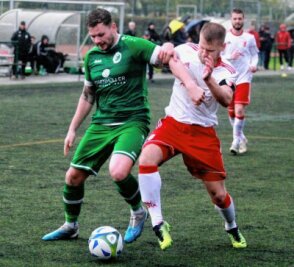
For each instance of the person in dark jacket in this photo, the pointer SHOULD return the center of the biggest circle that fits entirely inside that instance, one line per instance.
(179, 37)
(32, 54)
(154, 36)
(41, 48)
(22, 43)
(266, 44)
(131, 29)
(151, 35)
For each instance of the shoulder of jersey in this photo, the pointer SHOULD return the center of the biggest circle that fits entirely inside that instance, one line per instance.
(227, 65)
(129, 38)
(188, 46)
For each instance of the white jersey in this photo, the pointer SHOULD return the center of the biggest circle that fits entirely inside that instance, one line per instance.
(181, 107)
(245, 44)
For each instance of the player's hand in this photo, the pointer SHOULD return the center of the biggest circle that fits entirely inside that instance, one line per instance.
(195, 92)
(209, 65)
(166, 53)
(236, 54)
(68, 142)
(253, 69)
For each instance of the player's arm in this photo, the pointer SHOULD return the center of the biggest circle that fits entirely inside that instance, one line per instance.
(85, 104)
(223, 92)
(180, 71)
(254, 61)
(254, 56)
(166, 53)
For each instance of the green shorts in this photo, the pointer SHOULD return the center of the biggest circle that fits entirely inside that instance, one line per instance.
(100, 141)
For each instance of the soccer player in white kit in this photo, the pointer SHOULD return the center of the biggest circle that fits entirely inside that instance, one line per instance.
(242, 52)
(188, 129)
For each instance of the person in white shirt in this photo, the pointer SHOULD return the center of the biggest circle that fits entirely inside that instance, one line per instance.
(188, 129)
(242, 52)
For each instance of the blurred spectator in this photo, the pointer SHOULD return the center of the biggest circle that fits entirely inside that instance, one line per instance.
(193, 30)
(21, 49)
(266, 44)
(41, 48)
(179, 37)
(175, 33)
(47, 57)
(154, 36)
(32, 54)
(131, 29)
(253, 31)
(166, 34)
(151, 35)
(291, 49)
(283, 42)
(150, 68)
(146, 35)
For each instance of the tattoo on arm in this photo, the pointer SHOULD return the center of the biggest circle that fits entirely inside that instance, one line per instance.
(88, 94)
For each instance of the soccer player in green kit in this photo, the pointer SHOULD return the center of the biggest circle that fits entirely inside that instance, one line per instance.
(115, 78)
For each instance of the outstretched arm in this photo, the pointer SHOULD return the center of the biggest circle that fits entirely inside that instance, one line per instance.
(84, 106)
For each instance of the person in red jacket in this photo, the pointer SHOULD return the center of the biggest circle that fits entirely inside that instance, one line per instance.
(283, 41)
(253, 31)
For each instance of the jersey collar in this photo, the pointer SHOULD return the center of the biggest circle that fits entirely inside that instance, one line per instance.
(111, 48)
(218, 62)
(238, 34)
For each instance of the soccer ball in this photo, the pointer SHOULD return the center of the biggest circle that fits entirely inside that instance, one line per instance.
(105, 243)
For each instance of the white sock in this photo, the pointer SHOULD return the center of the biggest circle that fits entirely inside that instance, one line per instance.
(138, 211)
(232, 121)
(150, 185)
(238, 128)
(72, 224)
(228, 214)
(243, 137)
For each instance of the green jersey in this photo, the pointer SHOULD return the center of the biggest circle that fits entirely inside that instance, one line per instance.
(118, 76)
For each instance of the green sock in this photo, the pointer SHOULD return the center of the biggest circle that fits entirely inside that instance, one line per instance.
(73, 199)
(129, 190)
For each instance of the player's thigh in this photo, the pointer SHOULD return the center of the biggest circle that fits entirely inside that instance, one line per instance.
(152, 154)
(202, 154)
(130, 139)
(242, 94)
(94, 149)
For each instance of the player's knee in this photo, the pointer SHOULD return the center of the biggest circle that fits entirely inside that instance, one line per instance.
(240, 111)
(118, 174)
(219, 198)
(75, 177)
(150, 156)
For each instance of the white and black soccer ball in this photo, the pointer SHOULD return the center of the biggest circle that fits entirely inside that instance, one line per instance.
(105, 243)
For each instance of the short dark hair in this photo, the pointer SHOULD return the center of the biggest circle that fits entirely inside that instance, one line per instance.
(97, 16)
(238, 11)
(23, 23)
(44, 37)
(212, 32)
